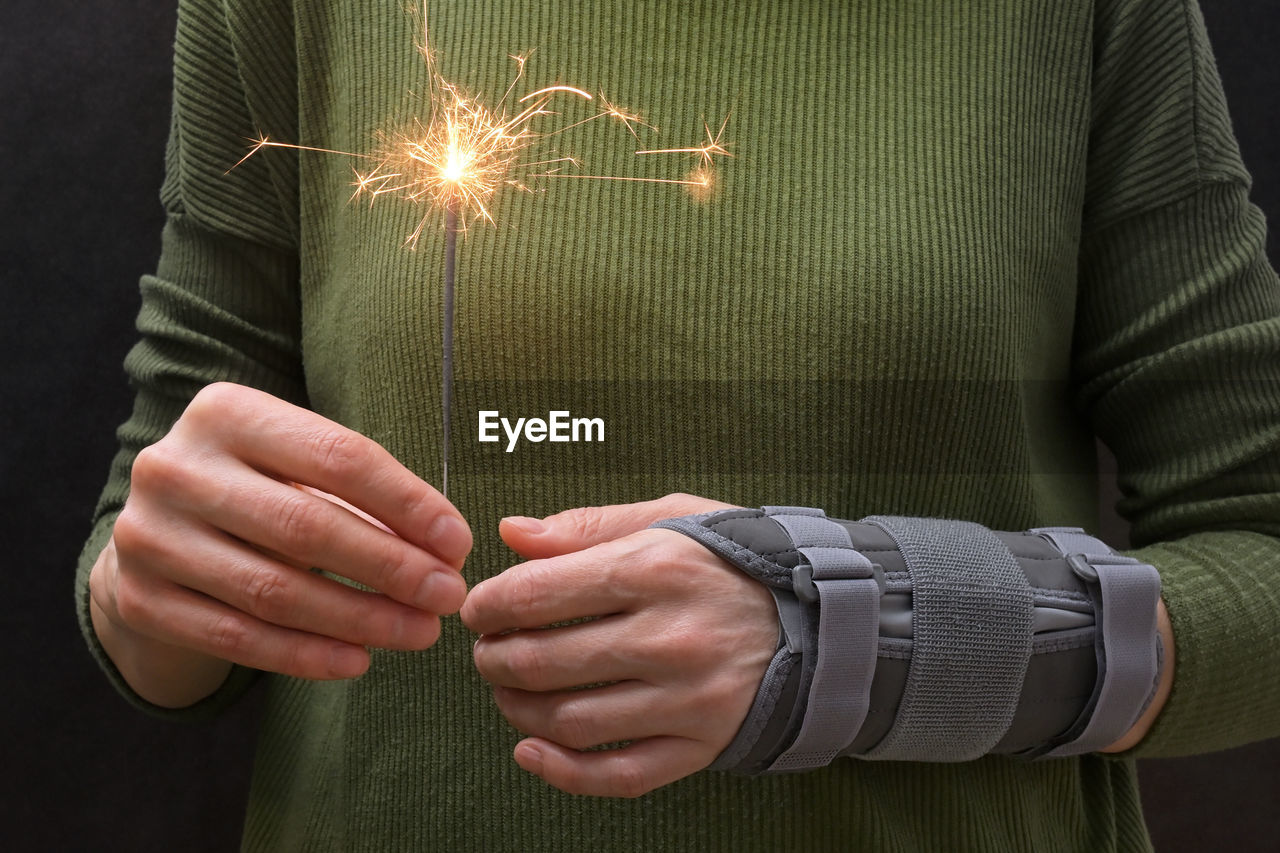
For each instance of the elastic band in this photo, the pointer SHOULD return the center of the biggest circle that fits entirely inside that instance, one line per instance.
(1129, 592)
(971, 641)
(848, 599)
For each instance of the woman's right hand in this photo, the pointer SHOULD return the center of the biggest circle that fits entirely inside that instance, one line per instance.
(209, 562)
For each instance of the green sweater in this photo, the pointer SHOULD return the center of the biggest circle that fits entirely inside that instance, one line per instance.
(957, 241)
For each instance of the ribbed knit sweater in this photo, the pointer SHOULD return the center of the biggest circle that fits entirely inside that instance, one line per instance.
(956, 241)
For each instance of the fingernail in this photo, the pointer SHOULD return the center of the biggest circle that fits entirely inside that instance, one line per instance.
(449, 537)
(532, 526)
(530, 757)
(439, 592)
(346, 662)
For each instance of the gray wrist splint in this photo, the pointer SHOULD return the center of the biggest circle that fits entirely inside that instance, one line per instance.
(919, 639)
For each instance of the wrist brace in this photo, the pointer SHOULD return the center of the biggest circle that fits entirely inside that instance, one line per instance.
(918, 639)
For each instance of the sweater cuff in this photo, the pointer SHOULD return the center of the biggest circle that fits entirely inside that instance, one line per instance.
(1213, 602)
(238, 681)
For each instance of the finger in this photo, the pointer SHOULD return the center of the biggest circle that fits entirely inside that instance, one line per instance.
(315, 532)
(354, 510)
(183, 617)
(581, 719)
(282, 595)
(631, 771)
(648, 568)
(583, 527)
(299, 445)
(569, 656)
(540, 592)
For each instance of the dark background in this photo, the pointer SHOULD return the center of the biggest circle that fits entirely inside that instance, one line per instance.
(84, 98)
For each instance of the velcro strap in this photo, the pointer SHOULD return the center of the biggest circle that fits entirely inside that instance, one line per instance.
(971, 641)
(848, 598)
(1130, 656)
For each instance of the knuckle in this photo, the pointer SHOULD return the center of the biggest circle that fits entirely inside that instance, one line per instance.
(396, 574)
(523, 593)
(629, 565)
(301, 659)
(214, 395)
(139, 542)
(656, 553)
(299, 522)
(680, 647)
(145, 463)
(221, 396)
(228, 637)
(267, 594)
(528, 665)
(419, 503)
(132, 602)
(571, 725)
(366, 622)
(590, 521)
(678, 503)
(629, 779)
(212, 403)
(661, 563)
(341, 454)
(682, 503)
(130, 533)
(157, 469)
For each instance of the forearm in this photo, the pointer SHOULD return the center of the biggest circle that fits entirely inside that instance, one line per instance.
(931, 640)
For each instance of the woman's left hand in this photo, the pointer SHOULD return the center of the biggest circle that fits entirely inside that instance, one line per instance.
(674, 647)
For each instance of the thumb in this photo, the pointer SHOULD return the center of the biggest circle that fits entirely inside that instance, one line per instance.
(584, 527)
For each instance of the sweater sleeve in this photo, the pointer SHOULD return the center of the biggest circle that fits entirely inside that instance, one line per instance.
(1177, 365)
(223, 302)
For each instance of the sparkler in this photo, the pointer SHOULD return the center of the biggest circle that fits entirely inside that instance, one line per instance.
(464, 152)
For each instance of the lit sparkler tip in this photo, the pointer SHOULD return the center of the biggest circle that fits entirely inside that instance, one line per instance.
(455, 158)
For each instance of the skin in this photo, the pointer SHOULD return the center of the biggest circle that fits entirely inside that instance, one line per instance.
(208, 564)
(683, 637)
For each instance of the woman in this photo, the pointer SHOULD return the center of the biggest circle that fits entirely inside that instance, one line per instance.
(951, 247)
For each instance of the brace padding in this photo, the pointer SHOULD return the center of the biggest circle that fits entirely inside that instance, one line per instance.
(931, 640)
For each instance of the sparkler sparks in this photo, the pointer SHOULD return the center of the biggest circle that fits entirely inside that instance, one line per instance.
(707, 151)
(464, 152)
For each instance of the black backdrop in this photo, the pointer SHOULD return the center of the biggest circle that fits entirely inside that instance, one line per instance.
(84, 94)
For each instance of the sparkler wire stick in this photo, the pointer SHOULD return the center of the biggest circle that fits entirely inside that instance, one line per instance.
(446, 391)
